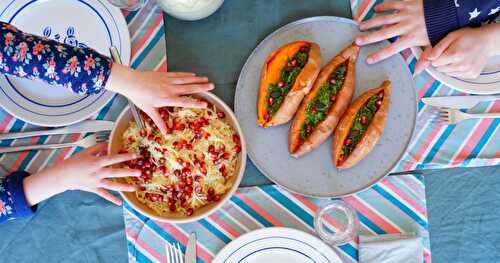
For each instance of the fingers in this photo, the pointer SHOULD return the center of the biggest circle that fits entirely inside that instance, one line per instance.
(117, 186)
(423, 62)
(380, 21)
(389, 6)
(382, 34)
(189, 80)
(118, 172)
(108, 196)
(185, 102)
(194, 88)
(447, 58)
(455, 67)
(394, 48)
(115, 159)
(158, 121)
(441, 46)
(180, 74)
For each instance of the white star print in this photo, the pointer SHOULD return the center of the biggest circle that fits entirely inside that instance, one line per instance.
(474, 14)
(494, 10)
(456, 3)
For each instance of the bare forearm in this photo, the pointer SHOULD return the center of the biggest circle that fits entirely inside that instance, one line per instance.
(41, 186)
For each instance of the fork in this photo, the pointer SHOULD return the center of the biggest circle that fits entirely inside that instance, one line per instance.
(85, 143)
(453, 116)
(174, 254)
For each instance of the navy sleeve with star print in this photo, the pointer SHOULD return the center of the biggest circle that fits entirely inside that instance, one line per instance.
(445, 16)
(82, 70)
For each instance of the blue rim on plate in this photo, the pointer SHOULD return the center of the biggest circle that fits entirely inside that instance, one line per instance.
(35, 109)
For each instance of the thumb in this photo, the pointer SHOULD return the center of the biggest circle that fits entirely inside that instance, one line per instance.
(160, 123)
(423, 61)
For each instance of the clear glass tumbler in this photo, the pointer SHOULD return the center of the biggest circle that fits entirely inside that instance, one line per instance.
(130, 5)
(336, 223)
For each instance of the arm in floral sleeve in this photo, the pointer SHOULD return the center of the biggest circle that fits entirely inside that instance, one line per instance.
(13, 202)
(82, 70)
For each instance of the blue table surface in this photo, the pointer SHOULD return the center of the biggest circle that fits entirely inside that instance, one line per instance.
(463, 204)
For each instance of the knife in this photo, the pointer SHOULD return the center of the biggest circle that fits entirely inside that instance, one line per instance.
(81, 127)
(458, 102)
(191, 249)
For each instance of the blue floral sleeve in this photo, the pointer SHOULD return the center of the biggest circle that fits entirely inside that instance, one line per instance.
(80, 69)
(13, 203)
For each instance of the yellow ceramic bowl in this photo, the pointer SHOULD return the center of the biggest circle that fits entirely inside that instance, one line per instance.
(116, 143)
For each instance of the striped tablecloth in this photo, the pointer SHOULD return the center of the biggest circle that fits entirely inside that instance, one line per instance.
(395, 205)
(148, 52)
(435, 145)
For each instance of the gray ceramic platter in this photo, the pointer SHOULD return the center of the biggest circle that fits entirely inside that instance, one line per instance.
(315, 174)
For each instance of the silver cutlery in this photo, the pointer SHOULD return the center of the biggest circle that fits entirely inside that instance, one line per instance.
(115, 55)
(86, 142)
(453, 116)
(81, 127)
(458, 102)
(174, 254)
(191, 249)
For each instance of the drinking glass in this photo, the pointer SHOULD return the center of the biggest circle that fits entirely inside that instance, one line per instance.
(130, 5)
(336, 223)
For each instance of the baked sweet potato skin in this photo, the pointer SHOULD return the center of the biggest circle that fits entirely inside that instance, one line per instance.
(271, 73)
(297, 148)
(372, 133)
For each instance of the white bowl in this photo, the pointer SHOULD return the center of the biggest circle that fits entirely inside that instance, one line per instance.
(182, 11)
(115, 144)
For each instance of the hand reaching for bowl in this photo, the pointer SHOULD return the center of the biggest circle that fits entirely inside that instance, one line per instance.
(87, 171)
(463, 53)
(406, 21)
(152, 90)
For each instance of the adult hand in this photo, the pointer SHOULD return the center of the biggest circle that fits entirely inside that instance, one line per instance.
(406, 21)
(153, 90)
(87, 171)
(462, 53)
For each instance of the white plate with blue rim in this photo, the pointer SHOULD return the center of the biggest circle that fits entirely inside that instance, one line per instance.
(93, 23)
(488, 81)
(277, 244)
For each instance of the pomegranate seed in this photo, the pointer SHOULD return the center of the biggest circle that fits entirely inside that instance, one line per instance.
(380, 94)
(216, 198)
(188, 189)
(303, 48)
(210, 191)
(198, 189)
(189, 211)
(177, 173)
(162, 161)
(172, 207)
(225, 156)
(347, 141)
(131, 140)
(209, 198)
(281, 84)
(158, 139)
(211, 148)
(236, 138)
(206, 135)
(340, 159)
(169, 130)
(151, 137)
(237, 149)
(203, 170)
(314, 110)
(333, 81)
(333, 98)
(198, 178)
(186, 171)
(292, 63)
(222, 147)
(363, 120)
(143, 133)
(266, 117)
(221, 114)
(181, 185)
(142, 188)
(308, 128)
(147, 165)
(180, 126)
(189, 146)
(163, 169)
(378, 103)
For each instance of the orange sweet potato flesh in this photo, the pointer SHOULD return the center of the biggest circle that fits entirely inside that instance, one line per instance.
(270, 74)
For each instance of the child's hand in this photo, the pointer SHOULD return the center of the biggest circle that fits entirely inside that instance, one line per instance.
(407, 22)
(88, 171)
(153, 90)
(462, 53)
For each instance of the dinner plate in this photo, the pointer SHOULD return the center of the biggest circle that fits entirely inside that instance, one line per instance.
(314, 174)
(277, 244)
(487, 83)
(92, 23)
